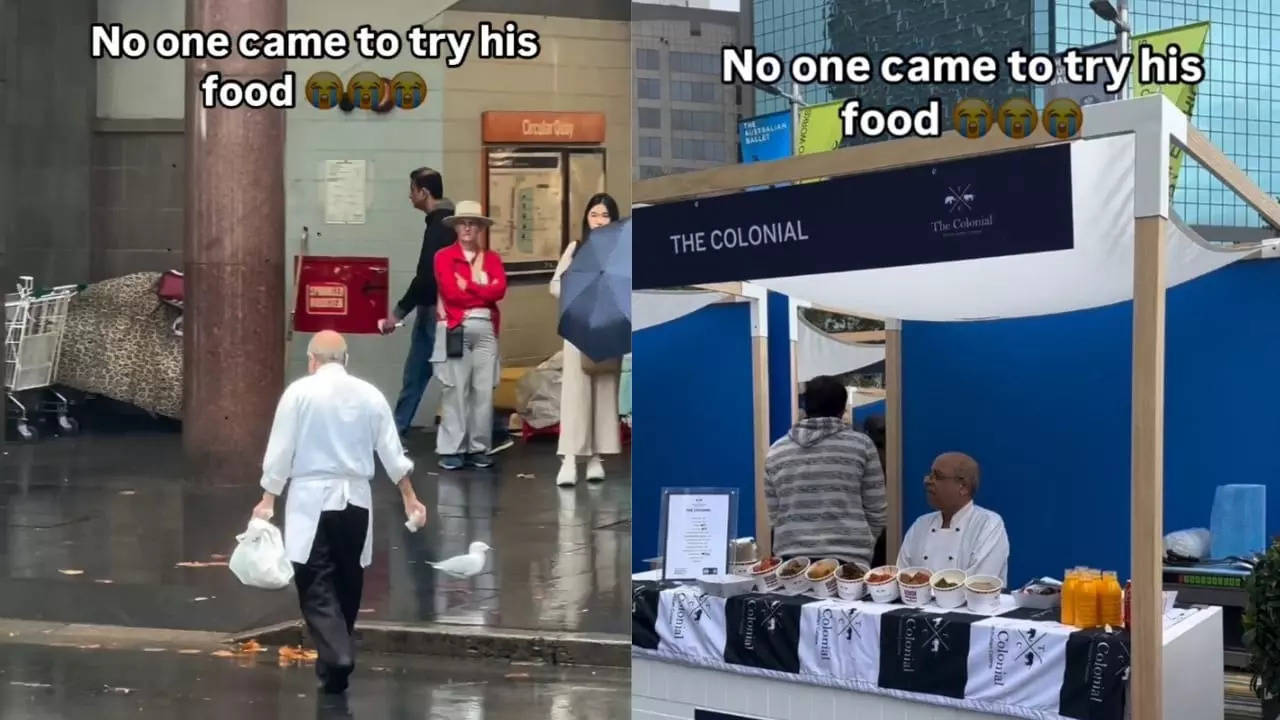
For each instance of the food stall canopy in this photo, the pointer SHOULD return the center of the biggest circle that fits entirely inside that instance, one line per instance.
(655, 307)
(1097, 271)
(818, 353)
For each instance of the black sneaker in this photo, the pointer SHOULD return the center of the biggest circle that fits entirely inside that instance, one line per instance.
(480, 461)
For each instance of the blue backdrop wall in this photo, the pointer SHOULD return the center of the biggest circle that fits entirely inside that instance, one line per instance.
(780, 386)
(1043, 404)
(692, 415)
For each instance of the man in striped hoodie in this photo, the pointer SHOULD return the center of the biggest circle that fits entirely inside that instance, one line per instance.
(824, 487)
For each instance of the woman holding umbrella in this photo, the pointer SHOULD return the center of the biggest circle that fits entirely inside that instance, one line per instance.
(589, 391)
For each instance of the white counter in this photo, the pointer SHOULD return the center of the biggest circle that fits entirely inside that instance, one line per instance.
(666, 688)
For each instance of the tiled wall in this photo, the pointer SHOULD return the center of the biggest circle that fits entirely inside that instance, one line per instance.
(585, 65)
(666, 691)
(138, 197)
(44, 141)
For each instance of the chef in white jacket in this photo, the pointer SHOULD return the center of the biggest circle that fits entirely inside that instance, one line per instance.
(959, 534)
(327, 428)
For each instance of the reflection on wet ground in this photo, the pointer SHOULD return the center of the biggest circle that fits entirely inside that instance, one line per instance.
(49, 682)
(93, 528)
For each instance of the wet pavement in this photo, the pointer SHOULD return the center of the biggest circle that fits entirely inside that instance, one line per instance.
(93, 528)
(49, 682)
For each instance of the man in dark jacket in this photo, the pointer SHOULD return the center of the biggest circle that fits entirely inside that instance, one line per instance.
(426, 192)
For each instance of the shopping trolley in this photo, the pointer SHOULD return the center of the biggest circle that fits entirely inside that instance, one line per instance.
(34, 322)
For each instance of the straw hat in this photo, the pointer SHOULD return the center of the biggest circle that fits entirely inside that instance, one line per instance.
(467, 210)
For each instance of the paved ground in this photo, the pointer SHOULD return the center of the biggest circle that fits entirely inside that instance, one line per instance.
(92, 529)
(43, 683)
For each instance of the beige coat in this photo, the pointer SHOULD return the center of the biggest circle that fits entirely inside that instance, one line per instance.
(588, 404)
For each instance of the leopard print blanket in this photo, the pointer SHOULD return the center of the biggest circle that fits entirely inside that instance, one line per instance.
(119, 343)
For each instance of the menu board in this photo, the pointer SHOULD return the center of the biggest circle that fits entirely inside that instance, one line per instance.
(697, 526)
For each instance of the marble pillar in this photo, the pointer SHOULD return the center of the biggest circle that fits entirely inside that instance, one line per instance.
(233, 256)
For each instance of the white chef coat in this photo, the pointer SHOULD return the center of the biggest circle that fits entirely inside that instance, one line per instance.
(327, 427)
(976, 542)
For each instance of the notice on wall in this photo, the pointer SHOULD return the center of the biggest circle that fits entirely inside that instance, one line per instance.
(526, 203)
(696, 533)
(344, 192)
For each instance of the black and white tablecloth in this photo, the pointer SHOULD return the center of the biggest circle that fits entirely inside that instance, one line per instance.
(1020, 663)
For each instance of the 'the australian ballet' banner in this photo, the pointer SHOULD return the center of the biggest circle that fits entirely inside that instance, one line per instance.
(765, 137)
(1009, 203)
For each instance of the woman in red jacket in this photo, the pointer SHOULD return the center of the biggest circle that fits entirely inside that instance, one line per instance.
(471, 280)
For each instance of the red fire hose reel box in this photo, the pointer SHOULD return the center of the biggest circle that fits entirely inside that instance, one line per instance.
(346, 294)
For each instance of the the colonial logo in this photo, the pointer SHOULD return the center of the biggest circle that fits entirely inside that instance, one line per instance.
(925, 652)
(1007, 647)
(687, 608)
(959, 199)
(961, 215)
(644, 615)
(834, 623)
(1097, 669)
(759, 615)
(923, 636)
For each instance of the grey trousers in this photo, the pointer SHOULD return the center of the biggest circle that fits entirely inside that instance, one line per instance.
(466, 408)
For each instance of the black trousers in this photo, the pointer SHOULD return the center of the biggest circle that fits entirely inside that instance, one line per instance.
(329, 588)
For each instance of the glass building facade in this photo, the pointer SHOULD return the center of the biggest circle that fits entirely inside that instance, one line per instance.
(1238, 105)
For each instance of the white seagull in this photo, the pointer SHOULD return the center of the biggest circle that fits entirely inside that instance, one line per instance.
(464, 566)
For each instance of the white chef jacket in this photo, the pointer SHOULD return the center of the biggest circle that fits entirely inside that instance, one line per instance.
(327, 427)
(976, 542)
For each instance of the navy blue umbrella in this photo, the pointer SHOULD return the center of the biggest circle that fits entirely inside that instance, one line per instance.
(595, 294)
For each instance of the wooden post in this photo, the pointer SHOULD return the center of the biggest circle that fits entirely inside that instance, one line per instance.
(893, 438)
(795, 386)
(759, 299)
(760, 393)
(1147, 604)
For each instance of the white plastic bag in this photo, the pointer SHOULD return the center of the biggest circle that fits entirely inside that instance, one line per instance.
(1192, 543)
(259, 559)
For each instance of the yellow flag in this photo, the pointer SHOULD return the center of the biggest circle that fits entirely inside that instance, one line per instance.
(1191, 40)
(820, 128)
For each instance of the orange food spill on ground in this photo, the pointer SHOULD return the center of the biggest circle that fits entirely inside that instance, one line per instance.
(296, 654)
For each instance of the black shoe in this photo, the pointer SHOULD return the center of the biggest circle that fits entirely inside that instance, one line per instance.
(479, 460)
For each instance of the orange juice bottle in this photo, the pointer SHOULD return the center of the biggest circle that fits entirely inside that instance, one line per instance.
(1112, 600)
(1087, 601)
(1069, 597)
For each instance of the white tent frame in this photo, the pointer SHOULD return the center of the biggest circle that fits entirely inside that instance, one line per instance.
(1157, 126)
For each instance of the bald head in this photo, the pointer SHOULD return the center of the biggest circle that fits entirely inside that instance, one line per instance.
(952, 482)
(327, 347)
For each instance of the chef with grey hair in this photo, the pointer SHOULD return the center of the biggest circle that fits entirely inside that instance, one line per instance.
(472, 280)
(960, 534)
(327, 428)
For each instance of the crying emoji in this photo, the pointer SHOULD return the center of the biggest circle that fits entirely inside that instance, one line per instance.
(1063, 118)
(1017, 118)
(324, 90)
(972, 118)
